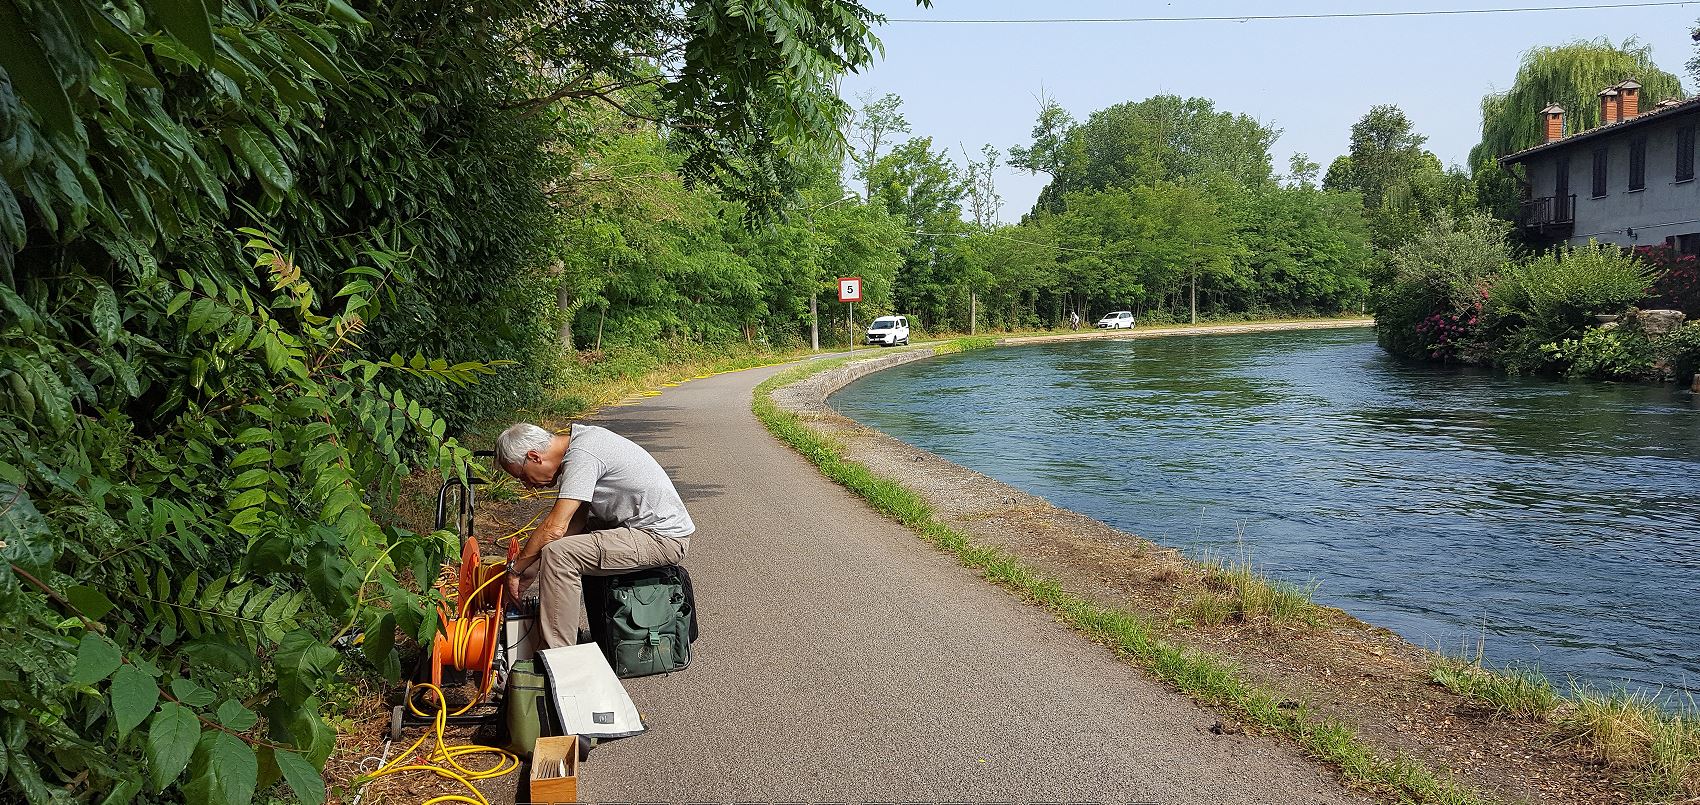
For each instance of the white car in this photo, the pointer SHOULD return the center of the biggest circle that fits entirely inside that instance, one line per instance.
(1119, 320)
(889, 331)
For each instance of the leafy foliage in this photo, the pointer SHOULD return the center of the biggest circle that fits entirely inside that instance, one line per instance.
(1604, 354)
(1679, 350)
(233, 234)
(1555, 295)
(1457, 295)
(1403, 186)
(922, 188)
(1152, 205)
(192, 495)
(1162, 138)
(1678, 283)
(1439, 284)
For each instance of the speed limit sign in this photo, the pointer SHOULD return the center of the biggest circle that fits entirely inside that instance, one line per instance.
(849, 289)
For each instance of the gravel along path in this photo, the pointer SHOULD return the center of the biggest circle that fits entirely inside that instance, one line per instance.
(844, 660)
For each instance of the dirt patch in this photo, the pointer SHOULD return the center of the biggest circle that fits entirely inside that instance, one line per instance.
(1341, 668)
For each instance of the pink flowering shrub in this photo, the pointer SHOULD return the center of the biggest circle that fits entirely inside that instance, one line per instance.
(1678, 283)
(1444, 336)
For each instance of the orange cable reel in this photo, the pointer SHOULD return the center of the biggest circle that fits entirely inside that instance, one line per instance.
(471, 626)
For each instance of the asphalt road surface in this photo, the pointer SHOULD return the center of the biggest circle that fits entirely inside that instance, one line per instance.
(842, 659)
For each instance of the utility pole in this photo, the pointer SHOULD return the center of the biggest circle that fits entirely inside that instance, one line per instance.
(814, 276)
(1195, 296)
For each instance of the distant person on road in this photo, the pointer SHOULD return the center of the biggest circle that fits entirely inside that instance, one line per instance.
(615, 511)
(1074, 320)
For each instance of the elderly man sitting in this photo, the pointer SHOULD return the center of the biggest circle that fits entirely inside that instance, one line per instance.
(615, 510)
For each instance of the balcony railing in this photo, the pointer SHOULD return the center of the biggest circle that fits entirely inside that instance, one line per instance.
(1549, 212)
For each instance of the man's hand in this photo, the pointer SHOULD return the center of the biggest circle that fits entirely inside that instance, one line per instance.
(560, 522)
(518, 580)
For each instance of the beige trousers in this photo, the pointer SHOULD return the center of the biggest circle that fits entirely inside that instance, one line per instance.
(564, 563)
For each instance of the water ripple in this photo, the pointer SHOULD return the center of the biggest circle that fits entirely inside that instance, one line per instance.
(1552, 519)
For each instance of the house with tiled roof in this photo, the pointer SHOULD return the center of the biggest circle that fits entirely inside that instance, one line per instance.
(1628, 181)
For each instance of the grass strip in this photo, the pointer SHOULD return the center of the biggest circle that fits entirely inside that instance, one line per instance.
(1207, 679)
(1658, 750)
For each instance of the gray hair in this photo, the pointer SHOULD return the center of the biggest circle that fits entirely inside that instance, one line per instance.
(519, 439)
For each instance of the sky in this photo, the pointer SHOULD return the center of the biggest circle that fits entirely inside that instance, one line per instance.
(966, 85)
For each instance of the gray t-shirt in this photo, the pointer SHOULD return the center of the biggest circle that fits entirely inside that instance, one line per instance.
(622, 483)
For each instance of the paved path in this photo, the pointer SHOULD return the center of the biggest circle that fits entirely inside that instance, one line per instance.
(843, 660)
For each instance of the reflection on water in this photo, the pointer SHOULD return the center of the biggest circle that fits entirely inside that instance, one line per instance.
(1557, 519)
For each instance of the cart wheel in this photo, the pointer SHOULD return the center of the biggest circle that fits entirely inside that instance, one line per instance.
(395, 723)
(584, 747)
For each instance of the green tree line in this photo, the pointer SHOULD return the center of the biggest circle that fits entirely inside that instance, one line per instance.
(1166, 206)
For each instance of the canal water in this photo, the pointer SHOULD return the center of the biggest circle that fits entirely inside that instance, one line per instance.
(1557, 523)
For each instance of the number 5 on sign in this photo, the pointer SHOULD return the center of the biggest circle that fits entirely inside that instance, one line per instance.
(849, 289)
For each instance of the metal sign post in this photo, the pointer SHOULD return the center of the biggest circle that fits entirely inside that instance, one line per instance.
(850, 290)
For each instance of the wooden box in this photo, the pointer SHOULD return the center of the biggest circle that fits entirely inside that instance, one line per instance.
(547, 760)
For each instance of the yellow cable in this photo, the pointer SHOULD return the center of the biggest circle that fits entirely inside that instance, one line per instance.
(524, 528)
(459, 634)
(506, 762)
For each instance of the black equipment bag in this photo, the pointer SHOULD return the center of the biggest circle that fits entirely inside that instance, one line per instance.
(644, 620)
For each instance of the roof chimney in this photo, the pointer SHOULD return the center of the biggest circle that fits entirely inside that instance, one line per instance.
(1629, 99)
(1609, 108)
(1554, 115)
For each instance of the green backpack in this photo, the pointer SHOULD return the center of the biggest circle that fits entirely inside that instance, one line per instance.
(645, 620)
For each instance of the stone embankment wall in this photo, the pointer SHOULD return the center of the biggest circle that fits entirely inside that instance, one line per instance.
(807, 397)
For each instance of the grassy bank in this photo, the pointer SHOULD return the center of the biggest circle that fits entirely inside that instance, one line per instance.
(1208, 679)
(1657, 750)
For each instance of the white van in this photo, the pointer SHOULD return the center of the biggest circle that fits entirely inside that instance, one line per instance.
(889, 331)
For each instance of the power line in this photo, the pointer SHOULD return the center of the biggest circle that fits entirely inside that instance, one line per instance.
(1269, 17)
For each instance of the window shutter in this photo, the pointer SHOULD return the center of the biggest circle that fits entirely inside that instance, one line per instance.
(1638, 163)
(1599, 172)
(1685, 153)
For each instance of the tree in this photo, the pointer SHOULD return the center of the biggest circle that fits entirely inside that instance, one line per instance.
(1401, 183)
(1301, 171)
(922, 188)
(1339, 176)
(1051, 128)
(984, 203)
(1150, 245)
(1014, 266)
(1570, 75)
(1162, 138)
(1693, 65)
(1385, 153)
(1305, 249)
(878, 123)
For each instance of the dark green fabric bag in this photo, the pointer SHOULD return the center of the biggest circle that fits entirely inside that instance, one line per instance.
(644, 620)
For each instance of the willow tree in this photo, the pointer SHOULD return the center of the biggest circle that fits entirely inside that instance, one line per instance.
(1570, 75)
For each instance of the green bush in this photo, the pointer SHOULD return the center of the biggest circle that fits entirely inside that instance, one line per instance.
(1430, 307)
(1680, 351)
(1554, 296)
(192, 472)
(1605, 354)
